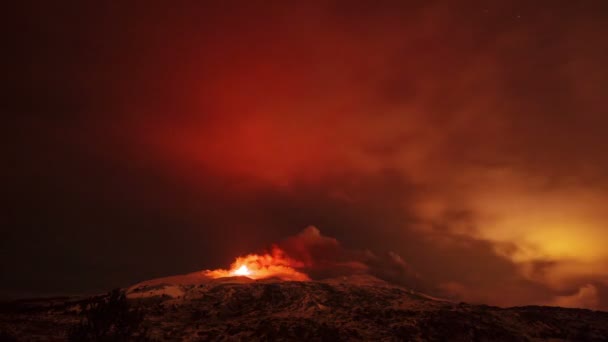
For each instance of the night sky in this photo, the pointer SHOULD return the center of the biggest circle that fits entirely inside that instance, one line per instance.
(463, 140)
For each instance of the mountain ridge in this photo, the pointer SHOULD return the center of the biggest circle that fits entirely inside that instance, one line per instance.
(339, 309)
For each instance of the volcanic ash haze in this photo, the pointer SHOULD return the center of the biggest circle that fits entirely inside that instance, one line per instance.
(467, 137)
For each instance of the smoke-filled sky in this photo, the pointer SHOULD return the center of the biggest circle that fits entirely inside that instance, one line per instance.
(465, 140)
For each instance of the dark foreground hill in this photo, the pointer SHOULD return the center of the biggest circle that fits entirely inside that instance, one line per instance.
(239, 309)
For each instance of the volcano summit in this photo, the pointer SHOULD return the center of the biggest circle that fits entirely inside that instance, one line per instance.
(194, 307)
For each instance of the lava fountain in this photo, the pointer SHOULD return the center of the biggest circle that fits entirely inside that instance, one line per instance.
(261, 266)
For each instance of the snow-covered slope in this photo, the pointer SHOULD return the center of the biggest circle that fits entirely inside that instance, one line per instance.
(194, 308)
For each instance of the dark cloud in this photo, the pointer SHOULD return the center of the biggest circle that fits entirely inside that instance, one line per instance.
(324, 257)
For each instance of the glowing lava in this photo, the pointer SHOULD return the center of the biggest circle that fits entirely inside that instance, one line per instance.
(260, 266)
(242, 271)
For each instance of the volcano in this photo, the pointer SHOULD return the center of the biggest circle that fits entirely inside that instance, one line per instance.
(195, 307)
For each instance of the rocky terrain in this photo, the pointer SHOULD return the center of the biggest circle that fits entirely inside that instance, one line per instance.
(241, 309)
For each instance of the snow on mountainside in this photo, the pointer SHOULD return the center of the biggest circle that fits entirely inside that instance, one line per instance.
(195, 308)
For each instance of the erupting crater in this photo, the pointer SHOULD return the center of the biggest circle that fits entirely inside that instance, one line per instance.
(275, 264)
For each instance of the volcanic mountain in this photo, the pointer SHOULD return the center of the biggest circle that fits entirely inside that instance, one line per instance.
(195, 307)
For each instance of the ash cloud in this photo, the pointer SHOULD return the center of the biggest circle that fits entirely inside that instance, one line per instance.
(324, 257)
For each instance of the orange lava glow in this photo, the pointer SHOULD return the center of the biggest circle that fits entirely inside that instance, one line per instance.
(260, 266)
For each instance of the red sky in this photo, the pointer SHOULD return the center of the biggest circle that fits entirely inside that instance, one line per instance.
(153, 139)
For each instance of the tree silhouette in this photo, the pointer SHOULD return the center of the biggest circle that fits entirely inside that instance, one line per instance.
(109, 318)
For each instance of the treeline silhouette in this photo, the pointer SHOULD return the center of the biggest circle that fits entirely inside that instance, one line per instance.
(109, 318)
